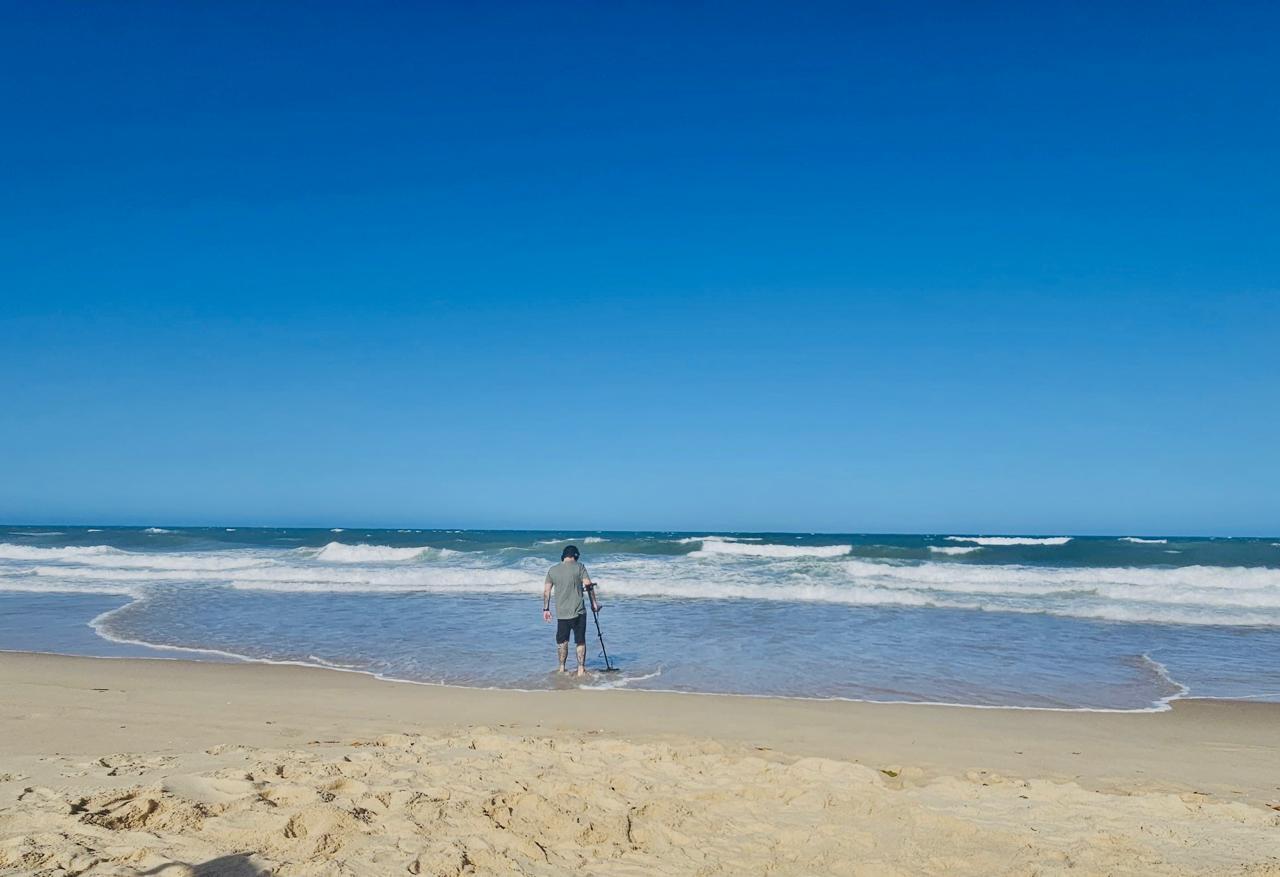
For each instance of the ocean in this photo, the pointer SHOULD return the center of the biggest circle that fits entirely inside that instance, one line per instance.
(1049, 621)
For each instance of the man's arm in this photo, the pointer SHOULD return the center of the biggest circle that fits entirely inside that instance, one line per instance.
(590, 588)
(546, 599)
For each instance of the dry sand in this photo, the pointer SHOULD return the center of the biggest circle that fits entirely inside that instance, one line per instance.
(172, 768)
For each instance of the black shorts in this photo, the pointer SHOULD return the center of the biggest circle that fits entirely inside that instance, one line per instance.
(578, 625)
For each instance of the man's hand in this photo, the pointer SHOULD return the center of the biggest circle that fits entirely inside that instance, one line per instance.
(546, 614)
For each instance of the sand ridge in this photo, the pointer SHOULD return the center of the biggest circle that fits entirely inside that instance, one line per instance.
(490, 801)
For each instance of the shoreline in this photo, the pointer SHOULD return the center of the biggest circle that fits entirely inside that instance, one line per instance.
(1162, 704)
(180, 768)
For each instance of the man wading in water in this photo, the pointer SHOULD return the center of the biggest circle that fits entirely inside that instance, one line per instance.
(567, 579)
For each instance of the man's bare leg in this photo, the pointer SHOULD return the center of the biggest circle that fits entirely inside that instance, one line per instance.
(582, 659)
(562, 651)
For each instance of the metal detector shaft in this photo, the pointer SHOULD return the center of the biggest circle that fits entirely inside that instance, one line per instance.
(596, 615)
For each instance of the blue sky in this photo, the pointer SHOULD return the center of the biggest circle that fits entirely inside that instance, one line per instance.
(729, 266)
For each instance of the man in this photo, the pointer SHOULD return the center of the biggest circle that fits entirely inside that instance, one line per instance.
(567, 580)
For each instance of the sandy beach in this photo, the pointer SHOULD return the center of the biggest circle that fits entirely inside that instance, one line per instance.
(174, 767)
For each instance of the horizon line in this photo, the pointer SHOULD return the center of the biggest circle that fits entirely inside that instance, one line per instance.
(587, 531)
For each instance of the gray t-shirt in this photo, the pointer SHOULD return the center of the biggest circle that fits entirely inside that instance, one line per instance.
(566, 579)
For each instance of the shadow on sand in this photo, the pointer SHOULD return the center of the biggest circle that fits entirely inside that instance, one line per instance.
(236, 865)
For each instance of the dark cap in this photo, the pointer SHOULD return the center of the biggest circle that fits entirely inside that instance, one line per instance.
(569, 551)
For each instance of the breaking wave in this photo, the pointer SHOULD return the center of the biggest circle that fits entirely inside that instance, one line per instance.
(1141, 541)
(1186, 595)
(720, 568)
(711, 547)
(1013, 540)
(689, 540)
(338, 552)
(443, 580)
(31, 552)
(1253, 585)
(99, 557)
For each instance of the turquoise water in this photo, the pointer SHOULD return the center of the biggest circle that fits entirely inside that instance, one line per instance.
(1047, 621)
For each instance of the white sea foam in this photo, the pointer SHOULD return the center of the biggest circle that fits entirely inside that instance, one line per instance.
(746, 549)
(155, 530)
(800, 591)
(609, 683)
(1141, 541)
(875, 595)
(139, 574)
(1013, 540)
(382, 580)
(296, 570)
(337, 552)
(1182, 595)
(954, 549)
(105, 557)
(689, 540)
(36, 585)
(585, 540)
(337, 530)
(1143, 615)
(1189, 594)
(9, 551)
(1224, 578)
(1179, 690)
